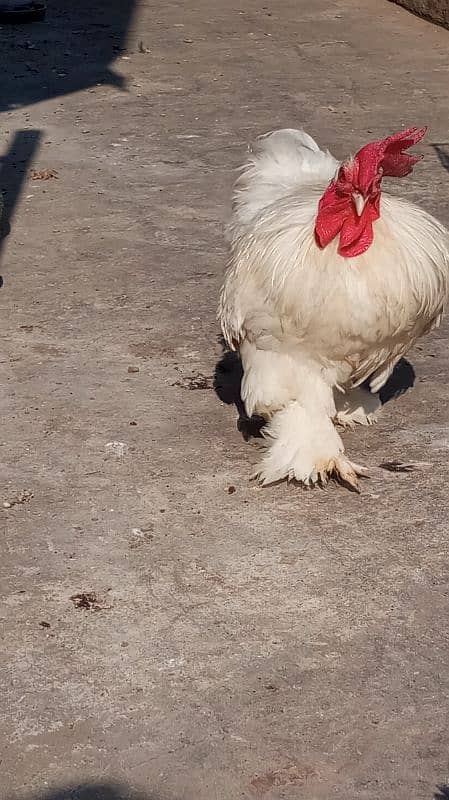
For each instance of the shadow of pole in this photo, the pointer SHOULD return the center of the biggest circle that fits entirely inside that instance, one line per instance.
(14, 166)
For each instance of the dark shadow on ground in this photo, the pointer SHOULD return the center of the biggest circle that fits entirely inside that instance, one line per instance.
(400, 381)
(442, 794)
(110, 791)
(228, 376)
(73, 49)
(442, 151)
(14, 166)
(227, 383)
(92, 791)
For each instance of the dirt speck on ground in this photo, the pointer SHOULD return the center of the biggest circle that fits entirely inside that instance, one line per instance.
(89, 601)
(18, 498)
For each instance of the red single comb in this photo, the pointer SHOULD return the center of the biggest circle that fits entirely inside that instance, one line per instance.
(388, 154)
(362, 175)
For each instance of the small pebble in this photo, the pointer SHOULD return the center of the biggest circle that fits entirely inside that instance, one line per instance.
(117, 449)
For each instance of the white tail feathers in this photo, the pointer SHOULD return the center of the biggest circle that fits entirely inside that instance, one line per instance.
(279, 163)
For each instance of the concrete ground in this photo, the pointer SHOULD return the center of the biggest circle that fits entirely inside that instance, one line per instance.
(169, 630)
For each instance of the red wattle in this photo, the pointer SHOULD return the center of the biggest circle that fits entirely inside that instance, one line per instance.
(362, 175)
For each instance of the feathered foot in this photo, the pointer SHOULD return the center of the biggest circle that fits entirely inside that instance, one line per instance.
(304, 446)
(356, 407)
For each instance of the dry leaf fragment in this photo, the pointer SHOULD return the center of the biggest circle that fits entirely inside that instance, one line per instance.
(43, 174)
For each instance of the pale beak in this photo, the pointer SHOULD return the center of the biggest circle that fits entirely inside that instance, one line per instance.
(359, 203)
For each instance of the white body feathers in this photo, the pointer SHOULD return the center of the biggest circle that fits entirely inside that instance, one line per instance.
(307, 320)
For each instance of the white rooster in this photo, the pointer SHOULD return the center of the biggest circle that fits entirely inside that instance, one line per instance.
(330, 282)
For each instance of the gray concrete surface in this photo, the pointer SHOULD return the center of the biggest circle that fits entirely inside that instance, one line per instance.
(256, 643)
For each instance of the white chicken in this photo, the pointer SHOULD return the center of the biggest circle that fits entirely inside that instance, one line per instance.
(330, 282)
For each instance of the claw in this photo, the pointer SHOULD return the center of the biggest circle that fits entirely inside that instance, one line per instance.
(348, 473)
(349, 422)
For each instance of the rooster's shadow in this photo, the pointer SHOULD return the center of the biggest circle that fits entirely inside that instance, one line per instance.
(228, 376)
(443, 793)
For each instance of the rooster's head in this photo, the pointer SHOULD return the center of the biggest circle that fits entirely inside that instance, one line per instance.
(351, 202)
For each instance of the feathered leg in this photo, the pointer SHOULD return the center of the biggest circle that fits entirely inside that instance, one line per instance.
(304, 445)
(302, 442)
